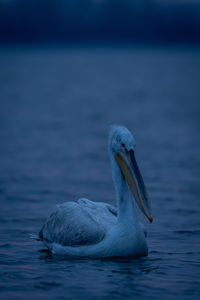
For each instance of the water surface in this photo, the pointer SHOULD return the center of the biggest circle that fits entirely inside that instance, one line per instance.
(56, 107)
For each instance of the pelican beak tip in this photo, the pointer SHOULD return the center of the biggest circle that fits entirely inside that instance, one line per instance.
(150, 219)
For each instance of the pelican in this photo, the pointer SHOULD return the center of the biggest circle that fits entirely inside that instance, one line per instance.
(90, 229)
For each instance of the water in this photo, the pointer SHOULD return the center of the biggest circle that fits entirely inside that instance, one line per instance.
(56, 107)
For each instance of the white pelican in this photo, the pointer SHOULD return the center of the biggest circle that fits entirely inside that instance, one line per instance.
(89, 229)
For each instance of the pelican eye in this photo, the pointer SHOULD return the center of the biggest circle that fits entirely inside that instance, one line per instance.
(123, 145)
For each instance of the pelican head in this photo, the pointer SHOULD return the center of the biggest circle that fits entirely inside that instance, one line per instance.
(122, 151)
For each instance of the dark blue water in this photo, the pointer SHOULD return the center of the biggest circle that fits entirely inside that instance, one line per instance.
(56, 106)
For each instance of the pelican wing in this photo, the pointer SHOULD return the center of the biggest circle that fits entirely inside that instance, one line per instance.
(79, 223)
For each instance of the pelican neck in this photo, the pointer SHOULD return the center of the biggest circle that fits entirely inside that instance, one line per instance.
(124, 198)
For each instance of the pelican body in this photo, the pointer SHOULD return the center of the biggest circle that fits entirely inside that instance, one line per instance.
(96, 229)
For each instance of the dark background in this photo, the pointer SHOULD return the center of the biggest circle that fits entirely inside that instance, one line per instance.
(100, 21)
